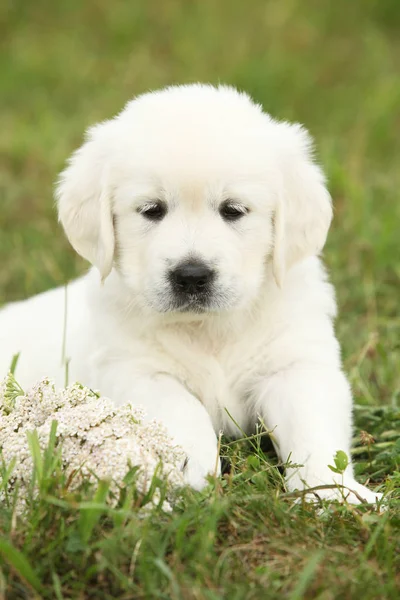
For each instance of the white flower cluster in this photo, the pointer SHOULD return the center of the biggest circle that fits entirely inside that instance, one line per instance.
(99, 440)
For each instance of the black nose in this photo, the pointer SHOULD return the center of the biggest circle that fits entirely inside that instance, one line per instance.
(192, 277)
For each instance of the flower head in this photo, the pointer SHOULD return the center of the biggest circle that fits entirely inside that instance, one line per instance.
(98, 439)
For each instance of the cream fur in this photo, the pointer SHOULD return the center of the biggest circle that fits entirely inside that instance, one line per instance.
(266, 345)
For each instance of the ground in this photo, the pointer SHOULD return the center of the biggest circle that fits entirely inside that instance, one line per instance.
(334, 67)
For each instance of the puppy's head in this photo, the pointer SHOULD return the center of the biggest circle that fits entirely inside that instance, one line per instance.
(189, 193)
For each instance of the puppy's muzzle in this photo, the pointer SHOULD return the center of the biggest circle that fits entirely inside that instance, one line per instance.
(192, 278)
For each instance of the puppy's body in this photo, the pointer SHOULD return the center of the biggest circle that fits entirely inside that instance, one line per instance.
(198, 176)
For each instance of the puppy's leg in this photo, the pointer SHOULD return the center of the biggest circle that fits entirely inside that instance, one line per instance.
(185, 418)
(309, 409)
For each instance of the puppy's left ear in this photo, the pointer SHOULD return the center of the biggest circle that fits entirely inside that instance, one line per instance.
(304, 209)
(84, 201)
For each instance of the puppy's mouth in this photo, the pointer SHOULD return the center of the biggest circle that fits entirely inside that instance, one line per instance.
(196, 303)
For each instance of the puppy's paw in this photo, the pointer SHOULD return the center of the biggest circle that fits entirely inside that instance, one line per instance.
(355, 493)
(197, 471)
(349, 491)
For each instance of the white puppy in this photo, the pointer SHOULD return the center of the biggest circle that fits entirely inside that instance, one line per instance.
(204, 218)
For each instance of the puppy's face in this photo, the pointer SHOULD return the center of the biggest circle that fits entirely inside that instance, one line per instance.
(193, 233)
(190, 193)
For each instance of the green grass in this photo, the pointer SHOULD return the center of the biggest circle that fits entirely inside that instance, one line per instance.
(333, 66)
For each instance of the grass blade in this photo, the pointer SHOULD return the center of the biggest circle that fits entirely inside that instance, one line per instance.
(306, 576)
(20, 564)
(89, 516)
(14, 363)
(34, 447)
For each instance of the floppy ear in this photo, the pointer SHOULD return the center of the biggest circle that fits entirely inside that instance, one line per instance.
(84, 202)
(304, 210)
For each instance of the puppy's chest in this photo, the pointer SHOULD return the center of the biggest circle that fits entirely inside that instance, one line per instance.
(220, 373)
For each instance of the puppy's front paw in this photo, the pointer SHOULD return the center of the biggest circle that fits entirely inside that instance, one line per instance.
(196, 471)
(346, 490)
(355, 493)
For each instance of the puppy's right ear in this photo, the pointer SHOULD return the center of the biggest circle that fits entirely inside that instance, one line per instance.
(84, 202)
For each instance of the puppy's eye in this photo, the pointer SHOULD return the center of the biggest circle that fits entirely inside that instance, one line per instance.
(232, 211)
(153, 211)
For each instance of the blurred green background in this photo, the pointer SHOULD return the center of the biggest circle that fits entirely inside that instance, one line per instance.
(332, 65)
